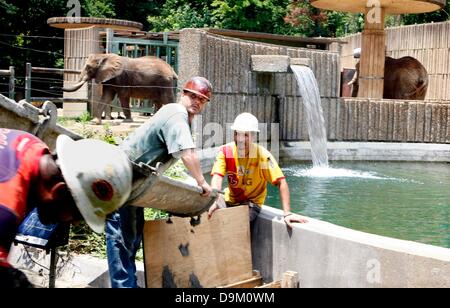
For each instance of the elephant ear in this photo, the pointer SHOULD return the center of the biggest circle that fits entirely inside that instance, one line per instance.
(110, 66)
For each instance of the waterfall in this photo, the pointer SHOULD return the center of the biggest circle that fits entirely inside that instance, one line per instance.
(309, 90)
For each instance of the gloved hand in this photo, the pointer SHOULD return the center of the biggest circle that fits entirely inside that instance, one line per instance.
(13, 278)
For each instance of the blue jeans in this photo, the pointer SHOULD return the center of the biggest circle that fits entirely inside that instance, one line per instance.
(123, 237)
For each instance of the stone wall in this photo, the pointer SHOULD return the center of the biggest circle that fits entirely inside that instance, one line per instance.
(226, 62)
(389, 120)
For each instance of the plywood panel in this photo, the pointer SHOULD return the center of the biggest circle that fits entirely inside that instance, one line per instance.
(214, 253)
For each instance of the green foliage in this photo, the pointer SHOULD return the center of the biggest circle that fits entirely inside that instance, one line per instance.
(83, 240)
(251, 15)
(247, 15)
(154, 214)
(312, 22)
(179, 14)
(99, 8)
(177, 171)
(437, 16)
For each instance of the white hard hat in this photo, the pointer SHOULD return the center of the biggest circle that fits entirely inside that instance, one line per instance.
(98, 175)
(245, 122)
(357, 53)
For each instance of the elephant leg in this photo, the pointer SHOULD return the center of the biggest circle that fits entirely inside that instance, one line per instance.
(125, 103)
(108, 110)
(166, 97)
(99, 107)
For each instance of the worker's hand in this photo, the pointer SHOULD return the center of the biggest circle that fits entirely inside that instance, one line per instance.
(212, 209)
(206, 188)
(291, 218)
(219, 204)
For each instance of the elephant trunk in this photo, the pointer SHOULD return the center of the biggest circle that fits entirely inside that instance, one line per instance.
(76, 86)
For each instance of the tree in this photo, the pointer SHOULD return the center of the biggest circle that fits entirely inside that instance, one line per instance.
(248, 15)
(251, 15)
(312, 22)
(437, 16)
(99, 8)
(178, 14)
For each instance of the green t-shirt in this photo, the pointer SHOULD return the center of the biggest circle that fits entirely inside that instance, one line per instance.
(166, 133)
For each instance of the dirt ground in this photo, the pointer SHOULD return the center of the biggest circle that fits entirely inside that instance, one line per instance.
(116, 127)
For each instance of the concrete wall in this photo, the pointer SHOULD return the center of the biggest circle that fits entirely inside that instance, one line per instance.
(226, 62)
(388, 120)
(369, 151)
(326, 255)
(428, 43)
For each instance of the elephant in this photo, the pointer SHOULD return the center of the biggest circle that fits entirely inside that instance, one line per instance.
(145, 77)
(404, 78)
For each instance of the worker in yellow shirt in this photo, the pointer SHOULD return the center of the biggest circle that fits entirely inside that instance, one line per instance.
(248, 168)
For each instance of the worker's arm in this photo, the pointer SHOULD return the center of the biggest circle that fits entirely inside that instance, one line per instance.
(190, 160)
(289, 218)
(216, 182)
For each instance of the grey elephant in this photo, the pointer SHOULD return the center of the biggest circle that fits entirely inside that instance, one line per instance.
(404, 78)
(145, 77)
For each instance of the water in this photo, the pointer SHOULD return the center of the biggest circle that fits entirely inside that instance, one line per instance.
(309, 90)
(409, 201)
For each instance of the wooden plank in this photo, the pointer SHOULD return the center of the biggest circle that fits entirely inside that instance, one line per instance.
(290, 280)
(215, 252)
(255, 281)
(272, 285)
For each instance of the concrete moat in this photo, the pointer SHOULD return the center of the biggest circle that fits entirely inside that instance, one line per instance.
(409, 201)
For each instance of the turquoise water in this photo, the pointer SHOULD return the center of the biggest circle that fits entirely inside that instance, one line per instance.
(409, 201)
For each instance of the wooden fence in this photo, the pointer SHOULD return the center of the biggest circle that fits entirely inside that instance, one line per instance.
(428, 43)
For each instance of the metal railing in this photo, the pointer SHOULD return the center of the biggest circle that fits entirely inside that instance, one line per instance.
(12, 80)
(43, 70)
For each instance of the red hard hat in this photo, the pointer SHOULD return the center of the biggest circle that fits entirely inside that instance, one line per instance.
(200, 86)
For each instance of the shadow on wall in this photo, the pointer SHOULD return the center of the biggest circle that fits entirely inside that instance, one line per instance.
(262, 243)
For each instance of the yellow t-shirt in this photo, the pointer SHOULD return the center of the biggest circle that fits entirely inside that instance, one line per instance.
(247, 177)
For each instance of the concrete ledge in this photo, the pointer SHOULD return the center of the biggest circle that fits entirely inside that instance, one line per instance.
(326, 255)
(370, 151)
(270, 63)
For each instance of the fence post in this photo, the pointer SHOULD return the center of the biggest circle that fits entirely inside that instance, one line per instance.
(28, 83)
(109, 40)
(12, 81)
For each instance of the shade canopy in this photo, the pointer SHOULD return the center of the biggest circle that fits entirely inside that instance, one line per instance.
(85, 22)
(393, 7)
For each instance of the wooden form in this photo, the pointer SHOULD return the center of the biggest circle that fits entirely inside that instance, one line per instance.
(290, 280)
(214, 253)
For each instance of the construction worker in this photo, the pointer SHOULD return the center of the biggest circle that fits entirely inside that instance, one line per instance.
(162, 139)
(248, 167)
(83, 179)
